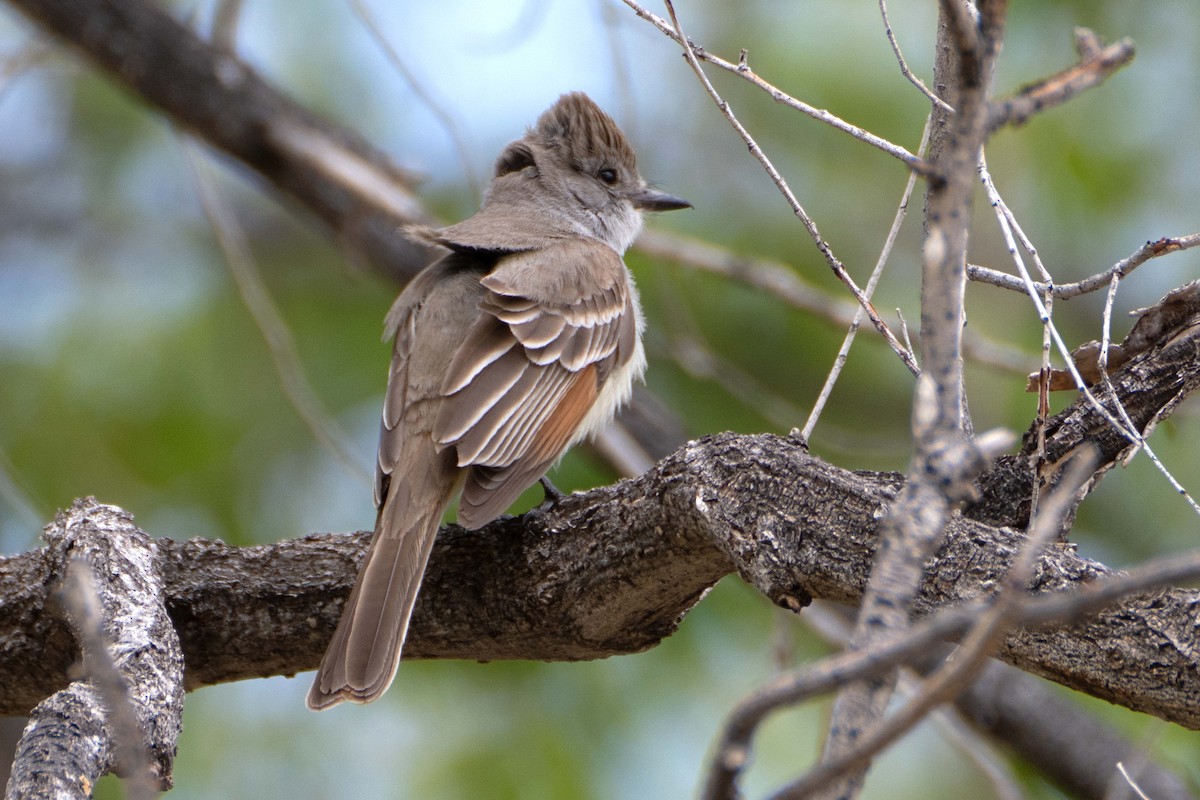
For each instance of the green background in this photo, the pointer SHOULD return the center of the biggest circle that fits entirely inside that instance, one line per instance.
(131, 370)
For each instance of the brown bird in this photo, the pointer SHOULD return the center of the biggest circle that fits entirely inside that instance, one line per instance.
(522, 340)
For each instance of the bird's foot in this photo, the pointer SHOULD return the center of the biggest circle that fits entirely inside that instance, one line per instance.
(554, 495)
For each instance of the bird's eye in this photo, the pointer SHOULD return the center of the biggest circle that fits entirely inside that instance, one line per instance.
(608, 175)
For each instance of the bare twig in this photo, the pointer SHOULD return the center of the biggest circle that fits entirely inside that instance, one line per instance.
(1013, 230)
(1124, 425)
(839, 360)
(282, 348)
(1132, 783)
(367, 17)
(838, 269)
(742, 70)
(904, 70)
(1095, 66)
(1101, 280)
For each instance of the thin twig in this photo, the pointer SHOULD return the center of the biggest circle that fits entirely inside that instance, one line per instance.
(1101, 280)
(904, 70)
(266, 316)
(1043, 405)
(1132, 784)
(838, 269)
(839, 361)
(440, 114)
(1106, 325)
(742, 70)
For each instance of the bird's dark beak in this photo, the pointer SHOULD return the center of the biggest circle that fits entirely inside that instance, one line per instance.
(650, 200)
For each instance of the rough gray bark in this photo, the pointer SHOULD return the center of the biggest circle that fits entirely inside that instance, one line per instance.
(614, 570)
(125, 712)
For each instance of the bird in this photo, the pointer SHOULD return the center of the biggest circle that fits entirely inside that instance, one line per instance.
(523, 339)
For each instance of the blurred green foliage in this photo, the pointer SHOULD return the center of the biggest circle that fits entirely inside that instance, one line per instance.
(131, 370)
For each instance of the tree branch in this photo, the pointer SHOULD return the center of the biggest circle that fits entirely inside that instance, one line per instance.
(333, 173)
(1096, 65)
(614, 570)
(945, 457)
(125, 712)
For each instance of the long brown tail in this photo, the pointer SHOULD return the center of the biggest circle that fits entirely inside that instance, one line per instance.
(362, 657)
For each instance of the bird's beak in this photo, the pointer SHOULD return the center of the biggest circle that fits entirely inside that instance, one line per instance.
(650, 200)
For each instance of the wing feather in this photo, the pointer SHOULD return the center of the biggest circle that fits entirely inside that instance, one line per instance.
(556, 324)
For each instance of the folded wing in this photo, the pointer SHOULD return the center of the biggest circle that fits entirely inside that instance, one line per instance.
(557, 322)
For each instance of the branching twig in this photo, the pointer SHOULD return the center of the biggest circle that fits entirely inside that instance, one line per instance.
(838, 269)
(1101, 280)
(904, 70)
(977, 646)
(742, 70)
(1096, 65)
(1125, 426)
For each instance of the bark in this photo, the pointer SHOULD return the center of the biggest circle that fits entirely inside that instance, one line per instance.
(608, 572)
(614, 570)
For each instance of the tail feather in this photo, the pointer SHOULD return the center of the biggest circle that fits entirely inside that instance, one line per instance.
(364, 653)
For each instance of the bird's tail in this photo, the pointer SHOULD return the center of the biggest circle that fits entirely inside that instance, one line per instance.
(362, 657)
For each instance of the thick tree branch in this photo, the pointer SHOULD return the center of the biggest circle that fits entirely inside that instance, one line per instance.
(124, 713)
(351, 186)
(614, 570)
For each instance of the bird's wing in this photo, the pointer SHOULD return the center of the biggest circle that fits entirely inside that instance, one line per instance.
(556, 322)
